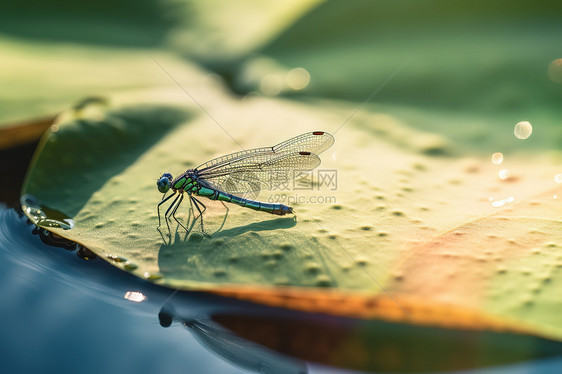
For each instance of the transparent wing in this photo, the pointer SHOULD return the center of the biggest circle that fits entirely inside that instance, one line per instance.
(265, 168)
(314, 142)
(254, 174)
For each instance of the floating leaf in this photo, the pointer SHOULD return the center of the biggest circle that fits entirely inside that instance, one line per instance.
(405, 235)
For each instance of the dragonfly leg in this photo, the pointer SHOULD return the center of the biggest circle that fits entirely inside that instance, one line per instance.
(162, 202)
(174, 213)
(167, 214)
(196, 203)
(191, 211)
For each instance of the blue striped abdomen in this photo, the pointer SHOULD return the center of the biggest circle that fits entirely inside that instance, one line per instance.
(278, 209)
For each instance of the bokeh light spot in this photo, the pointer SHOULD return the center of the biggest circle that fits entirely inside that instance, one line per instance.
(298, 78)
(523, 130)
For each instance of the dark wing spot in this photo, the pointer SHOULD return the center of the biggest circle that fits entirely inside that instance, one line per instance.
(304, 153)
(318, 133)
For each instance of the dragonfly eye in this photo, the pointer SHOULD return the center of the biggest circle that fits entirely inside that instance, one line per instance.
(164, 183)
(167, 175)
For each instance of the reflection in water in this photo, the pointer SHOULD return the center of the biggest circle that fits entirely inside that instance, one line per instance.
(44, 216)
(247, 335)
(283, 341)
(236, 350)
(55, 240)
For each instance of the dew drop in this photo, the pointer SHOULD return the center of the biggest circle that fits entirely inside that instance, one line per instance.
(323, 281)
(312, 268)
(286, 246)
(497, 158)
(130, 266)
(116, 258)
(501, 269)
(219, 273)
(151, 276)
(503, 174)
(523, 130)
(362, 261)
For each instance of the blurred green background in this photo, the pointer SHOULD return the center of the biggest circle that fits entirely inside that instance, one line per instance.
(466, 69)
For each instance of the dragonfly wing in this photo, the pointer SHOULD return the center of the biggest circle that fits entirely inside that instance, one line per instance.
(241, 184)
(234, 157)
(265, 168)
(259, 172)
(314, 142)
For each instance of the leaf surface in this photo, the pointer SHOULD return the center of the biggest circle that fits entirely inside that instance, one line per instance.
(403, 236)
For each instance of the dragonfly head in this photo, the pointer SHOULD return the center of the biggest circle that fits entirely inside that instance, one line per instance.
(164, 182)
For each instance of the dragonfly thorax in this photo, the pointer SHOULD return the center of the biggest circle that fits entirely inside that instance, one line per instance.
(186, 182)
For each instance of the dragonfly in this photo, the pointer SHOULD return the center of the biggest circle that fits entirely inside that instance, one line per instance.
(231, 177)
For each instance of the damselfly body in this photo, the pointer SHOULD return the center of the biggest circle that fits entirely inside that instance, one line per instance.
(229, 178)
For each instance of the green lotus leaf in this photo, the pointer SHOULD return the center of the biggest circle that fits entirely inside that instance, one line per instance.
(409, 229)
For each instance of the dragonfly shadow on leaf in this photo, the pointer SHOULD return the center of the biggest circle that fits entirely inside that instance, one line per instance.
(223, 255)
(196, 239)
(272, 224)
(194, 236)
